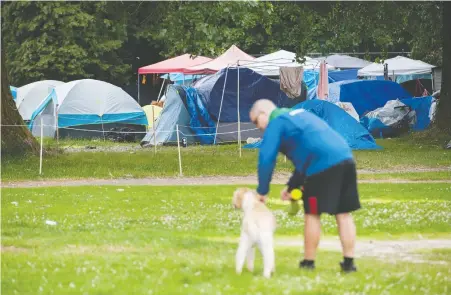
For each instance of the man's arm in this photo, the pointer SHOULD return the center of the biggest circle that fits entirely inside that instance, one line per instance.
(296, 180)
(268, 155)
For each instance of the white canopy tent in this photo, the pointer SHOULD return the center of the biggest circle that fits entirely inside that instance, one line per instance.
(399, 65)
(344, 61)
(269, 65)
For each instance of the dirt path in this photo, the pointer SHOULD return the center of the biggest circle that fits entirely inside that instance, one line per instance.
(402, 250)
(392, 251)
(278, 178)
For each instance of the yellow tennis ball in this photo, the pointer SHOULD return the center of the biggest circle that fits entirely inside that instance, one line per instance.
(296, 194)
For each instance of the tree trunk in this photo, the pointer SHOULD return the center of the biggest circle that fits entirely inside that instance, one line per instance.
(16, 140)
(444, 104)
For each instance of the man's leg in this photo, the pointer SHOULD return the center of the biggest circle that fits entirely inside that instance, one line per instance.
(347, 231)
(312, 232)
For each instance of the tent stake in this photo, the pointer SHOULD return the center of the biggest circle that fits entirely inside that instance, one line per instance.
(178, 145)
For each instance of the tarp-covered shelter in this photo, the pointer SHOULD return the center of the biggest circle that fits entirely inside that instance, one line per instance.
(399, 116)
(365, 95)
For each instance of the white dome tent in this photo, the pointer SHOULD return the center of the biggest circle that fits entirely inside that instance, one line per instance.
(30, 96)
(86, 102)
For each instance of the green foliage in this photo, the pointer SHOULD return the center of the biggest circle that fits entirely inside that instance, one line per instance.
(110, 40)
(63, 41)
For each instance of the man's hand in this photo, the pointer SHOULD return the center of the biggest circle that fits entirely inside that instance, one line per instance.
(261, 198)
(285, 195)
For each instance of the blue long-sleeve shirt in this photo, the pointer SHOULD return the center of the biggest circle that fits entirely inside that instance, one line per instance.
(310, 144)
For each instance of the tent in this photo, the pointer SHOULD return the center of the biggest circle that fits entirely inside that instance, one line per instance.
(30, 96)
(173, 65)
(252, 86)
(229, 58)
(399, 116)
(174, 113)
(352, 131)
(345, 61)
(13, 92)
(86, 102)
(269, 65)
(399, 65)
(365, 95)
(196, 108)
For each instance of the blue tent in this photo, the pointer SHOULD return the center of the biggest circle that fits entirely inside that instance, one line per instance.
(365, 95)
(253, 87)
(355, 134)
(13, 92)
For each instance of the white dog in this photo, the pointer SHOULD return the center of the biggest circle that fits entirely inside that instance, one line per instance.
(258, 227)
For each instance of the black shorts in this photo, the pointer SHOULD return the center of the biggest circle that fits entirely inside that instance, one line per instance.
(332, 191)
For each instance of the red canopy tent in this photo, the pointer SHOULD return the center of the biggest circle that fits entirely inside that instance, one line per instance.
(228, 58)
(173, 65)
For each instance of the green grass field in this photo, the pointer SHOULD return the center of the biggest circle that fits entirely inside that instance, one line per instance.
(182, 240)
(400, 157)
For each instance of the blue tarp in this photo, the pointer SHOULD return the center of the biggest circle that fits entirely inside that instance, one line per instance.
(355, 134)
(253, 87)
(365, 95)
(200, 122)
(421, 106)
(345, 75)
(311, 78)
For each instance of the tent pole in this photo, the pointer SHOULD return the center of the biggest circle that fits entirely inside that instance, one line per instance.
(161, 89)
(220, 106)
(103, 130)
(153, 127)
(432, 79)
(139, 101)
(57, 130)
(42, 137)
(238, 109)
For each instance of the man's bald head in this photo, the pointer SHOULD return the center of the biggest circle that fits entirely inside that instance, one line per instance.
(260, 112)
